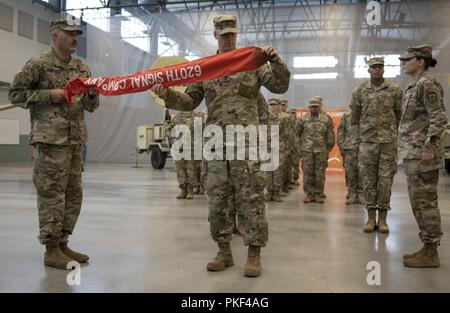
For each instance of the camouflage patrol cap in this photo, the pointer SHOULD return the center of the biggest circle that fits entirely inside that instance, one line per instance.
(66, 25)
(319, 98)
(274, 101)
(424, 51)
(293, 111)
(225, 24)
(376, 60)
(315, 102)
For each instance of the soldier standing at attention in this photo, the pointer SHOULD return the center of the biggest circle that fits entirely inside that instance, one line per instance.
(186, 168)
(350, 157)
(233, 100)
(375, 113)
(422, 124)
(57, 134)
(315, 133)
(288, 138)
(296, 150)
(275, 180)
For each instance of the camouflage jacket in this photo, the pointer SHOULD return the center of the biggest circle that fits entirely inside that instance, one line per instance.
(423, 121)
(282, 121)
(60, 123)
(315, 134)
(345, 133)
(375, 112)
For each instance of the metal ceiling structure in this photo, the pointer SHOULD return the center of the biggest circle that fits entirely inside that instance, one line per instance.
(317, 26)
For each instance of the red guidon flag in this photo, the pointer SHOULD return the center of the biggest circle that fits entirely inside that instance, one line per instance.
(223, 64)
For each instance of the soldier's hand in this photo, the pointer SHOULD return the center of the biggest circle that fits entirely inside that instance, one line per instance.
(159, 89)
(92, 92)
(271, 52)
(57, 95)
(427, 157)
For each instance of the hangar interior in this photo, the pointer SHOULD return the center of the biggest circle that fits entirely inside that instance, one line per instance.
(140, 238)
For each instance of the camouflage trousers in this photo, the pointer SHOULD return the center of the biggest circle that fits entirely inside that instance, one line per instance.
(185, 173)
(275, 179)
(57, 178)
(422, 190)
(377, 165)
(353, 179)
(288, 170)
(314, 165)
(237, 184)
(197, 173)
(295, 167)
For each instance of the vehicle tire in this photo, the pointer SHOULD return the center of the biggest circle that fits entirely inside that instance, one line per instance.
(158, 158)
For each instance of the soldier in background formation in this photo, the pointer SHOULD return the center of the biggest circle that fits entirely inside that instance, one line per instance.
(375, 114)
(288, 145)
(199, 182)
(296, 150)
(186, 169)
(315, 134)
(350, 158)
(275, 178)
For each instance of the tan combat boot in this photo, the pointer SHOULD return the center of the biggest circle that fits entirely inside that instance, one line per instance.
(223, 259)
(241, 224)
(183, 193)
(190, 193)
(196, 190)
(383, 227)
(426, 257)
(371, 222)
(54, 257)
(276, 196)
(77, 256)
(253, 266)
(309, 198)
(269, 196)
(285, 189)
(351, 198)
(318, 198)
(322, 195)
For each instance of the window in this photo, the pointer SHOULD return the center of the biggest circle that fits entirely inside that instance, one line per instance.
(134, 31)
(315, 61)
(98, 18)
(391, 66)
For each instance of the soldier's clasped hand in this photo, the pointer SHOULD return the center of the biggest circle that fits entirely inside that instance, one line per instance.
(271, 52)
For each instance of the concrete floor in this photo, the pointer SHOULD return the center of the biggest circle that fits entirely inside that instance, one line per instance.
(141, 239)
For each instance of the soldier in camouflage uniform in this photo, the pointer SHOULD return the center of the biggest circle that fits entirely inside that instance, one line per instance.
(198, 167)
(350, 158)
(186, 167)
(375, 114)
(287, 144)
(296, 150)
(233, 100)
(275, 178)
(421, 127)
(57, 134)
(315, 134)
